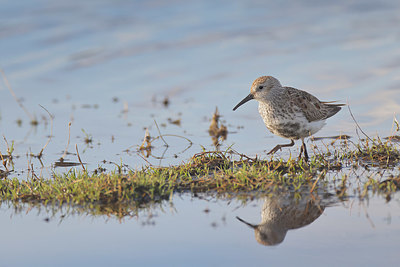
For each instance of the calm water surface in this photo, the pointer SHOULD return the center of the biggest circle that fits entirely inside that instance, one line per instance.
(107, 66)
(203, 232)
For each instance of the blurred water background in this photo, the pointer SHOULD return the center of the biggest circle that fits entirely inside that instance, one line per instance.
(107, 66)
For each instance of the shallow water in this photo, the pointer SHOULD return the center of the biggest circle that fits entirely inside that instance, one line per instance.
(202, 232)
(107, 66)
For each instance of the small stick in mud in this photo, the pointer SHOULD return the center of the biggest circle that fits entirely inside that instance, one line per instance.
(51, 132)
(69, 137)
(79, 158)
(32, 118)
(358, 126)
(159, 132)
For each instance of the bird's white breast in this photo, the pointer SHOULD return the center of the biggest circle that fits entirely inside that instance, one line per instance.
(288, 122)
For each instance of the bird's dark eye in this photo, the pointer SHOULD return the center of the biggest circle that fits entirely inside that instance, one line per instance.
(260, 87)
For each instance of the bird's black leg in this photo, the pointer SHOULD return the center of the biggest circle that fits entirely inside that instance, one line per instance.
(303, 149)
(278, 147)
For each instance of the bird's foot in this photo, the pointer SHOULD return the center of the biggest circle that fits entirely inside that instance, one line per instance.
(276, 148)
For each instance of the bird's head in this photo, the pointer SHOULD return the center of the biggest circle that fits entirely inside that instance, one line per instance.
(260, 89)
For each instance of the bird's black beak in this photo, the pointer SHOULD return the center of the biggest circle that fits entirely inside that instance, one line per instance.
(246, 99)
(254, 226)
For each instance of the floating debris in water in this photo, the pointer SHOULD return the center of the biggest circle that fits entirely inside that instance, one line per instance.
(34, 122)
(88, 137)
(217, 132)
(62, 163)
(94, 106)
(175, 122)
(146, 144)
(126, 107)
(166, 101)
(146, 140)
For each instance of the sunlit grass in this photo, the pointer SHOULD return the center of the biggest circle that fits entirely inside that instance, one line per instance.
(221, 173)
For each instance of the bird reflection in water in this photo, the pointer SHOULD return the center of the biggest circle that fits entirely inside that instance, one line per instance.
(281, 213)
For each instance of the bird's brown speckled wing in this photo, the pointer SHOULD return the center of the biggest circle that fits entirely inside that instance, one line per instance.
(313, 109)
